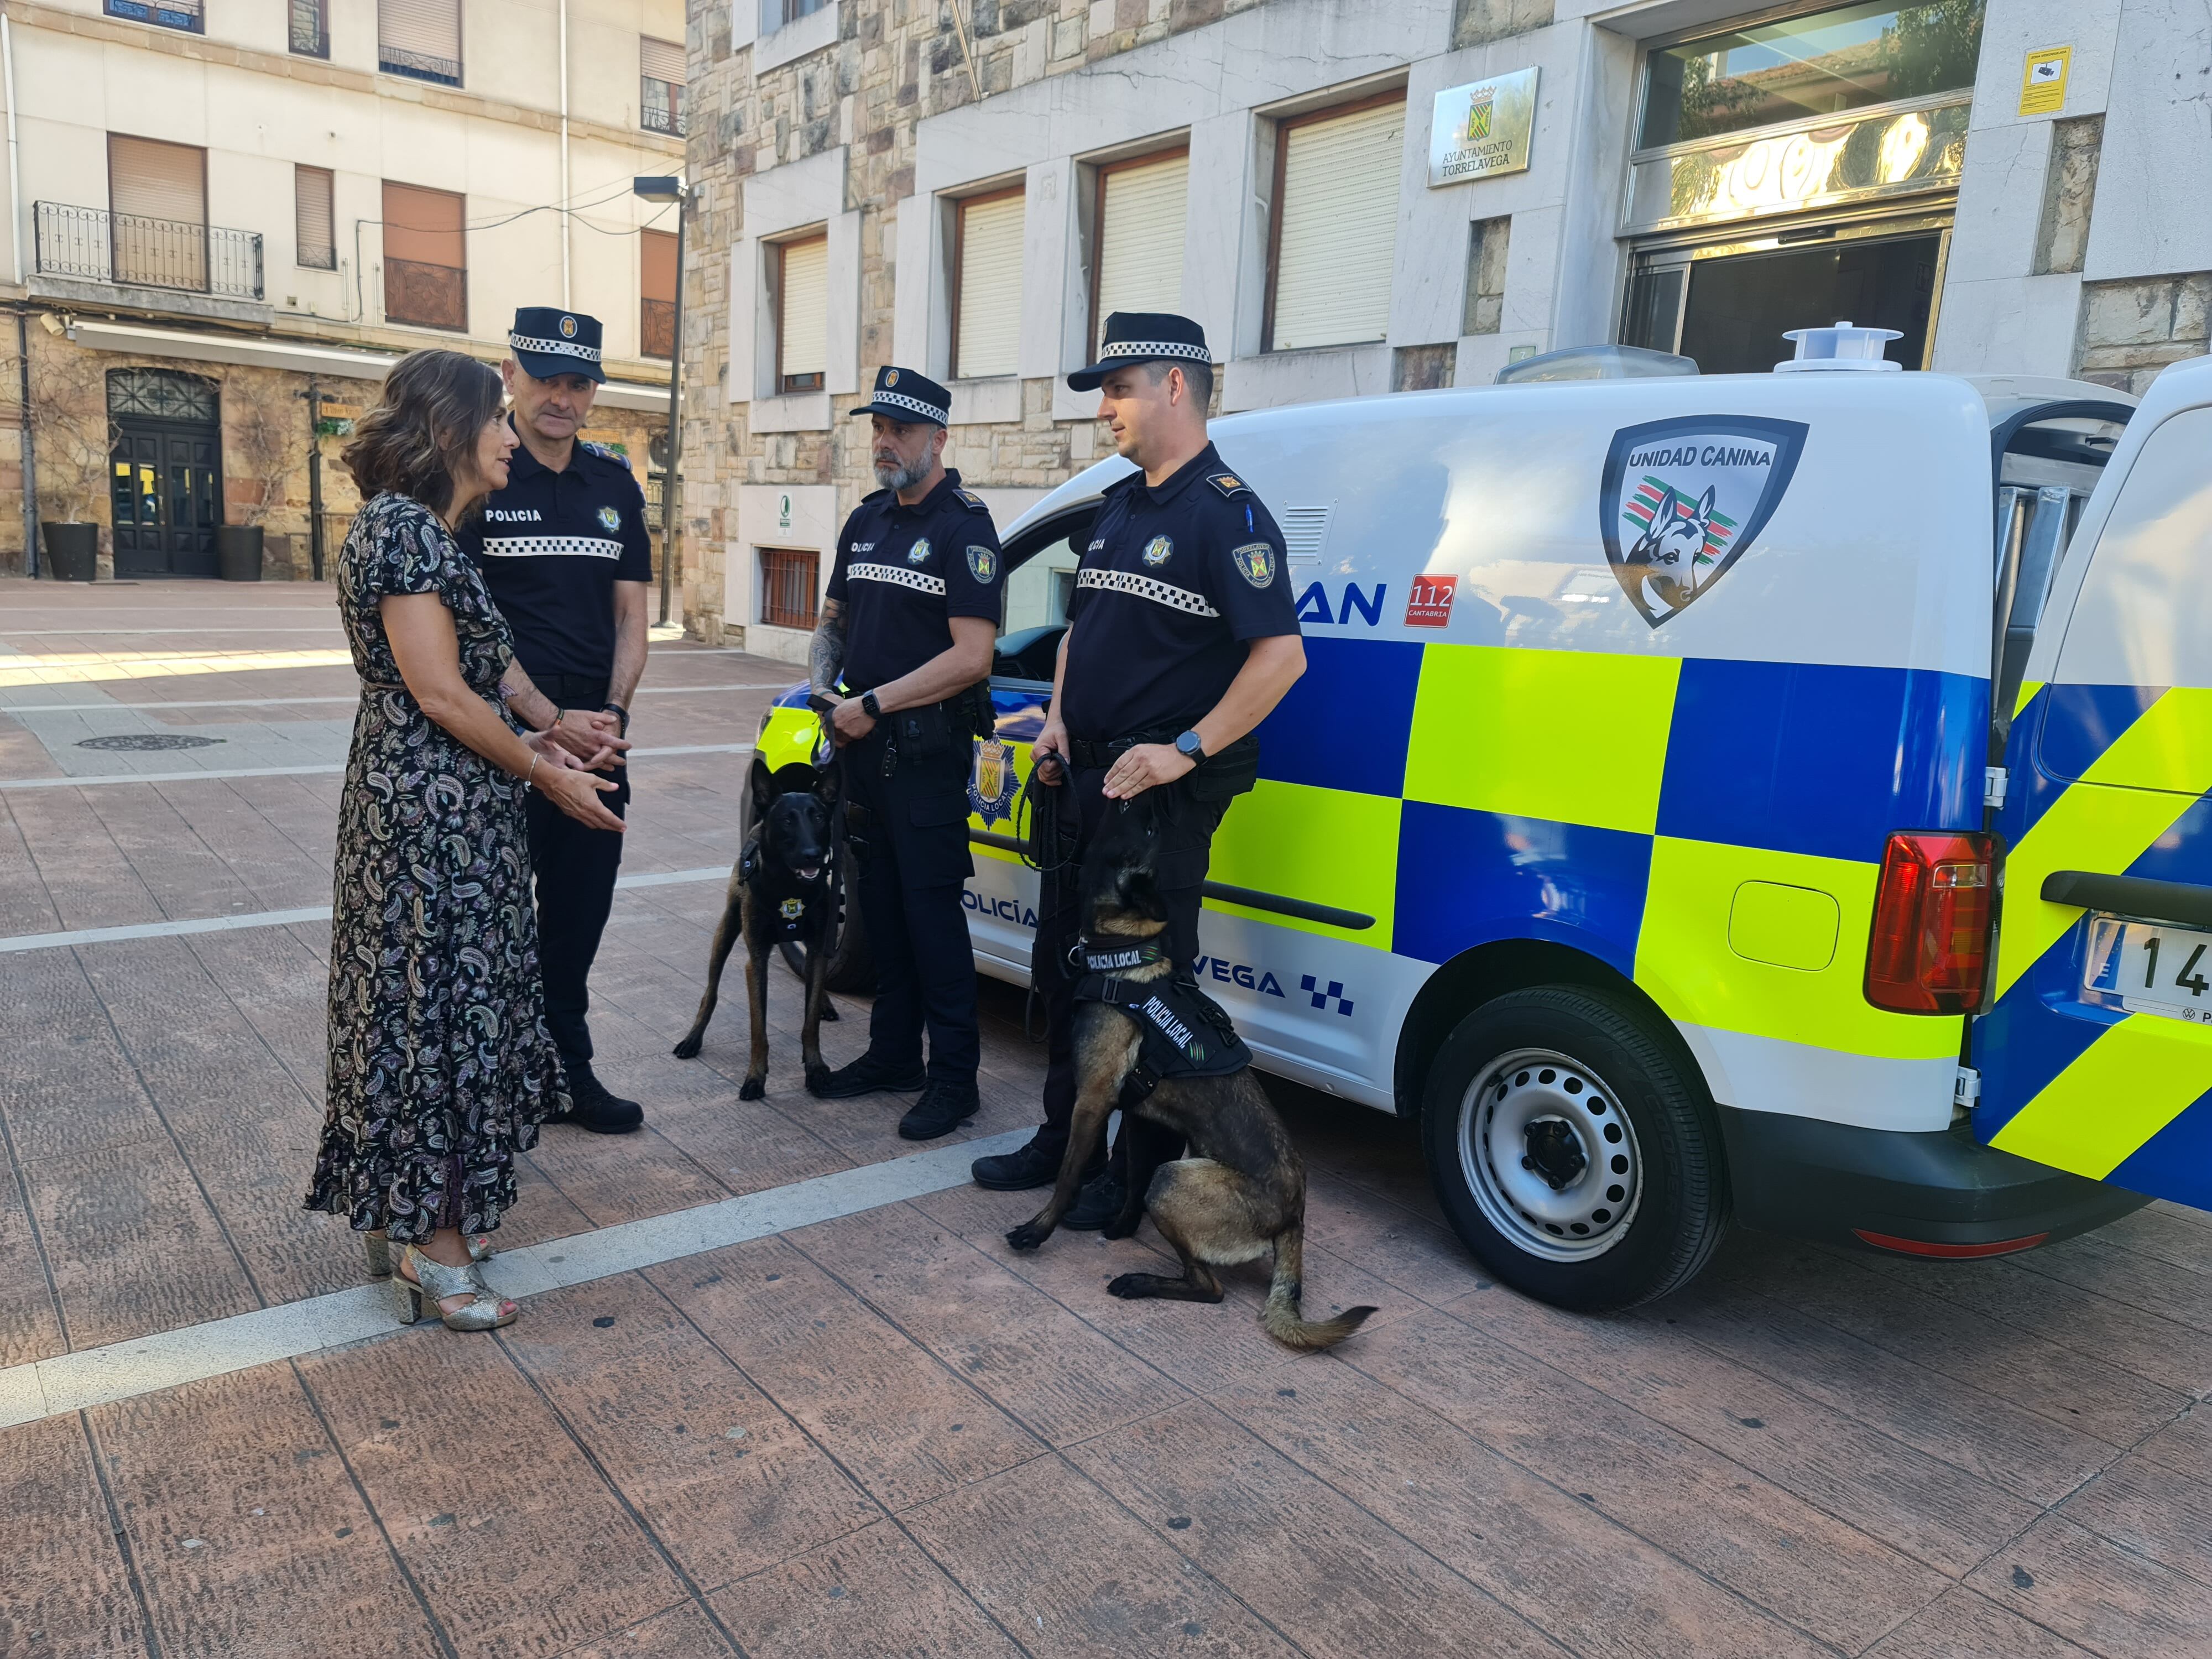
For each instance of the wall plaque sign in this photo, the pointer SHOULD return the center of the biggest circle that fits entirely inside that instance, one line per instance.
(1482, 130)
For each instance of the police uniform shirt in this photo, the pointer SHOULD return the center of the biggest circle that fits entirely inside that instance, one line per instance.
(1175, 580)
(903, 571)
(552, 546)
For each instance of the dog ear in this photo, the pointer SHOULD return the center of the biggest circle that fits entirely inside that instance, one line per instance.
(830, 785)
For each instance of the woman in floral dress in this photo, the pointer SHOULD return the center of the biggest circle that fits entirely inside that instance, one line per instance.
(440, 1066)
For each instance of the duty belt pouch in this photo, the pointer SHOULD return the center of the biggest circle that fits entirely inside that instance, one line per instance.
(1228, 775)
(925, 732)
(860, 831)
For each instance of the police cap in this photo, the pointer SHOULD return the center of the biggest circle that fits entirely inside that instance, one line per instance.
(1143, 337)
(902, 395)
(547, 341)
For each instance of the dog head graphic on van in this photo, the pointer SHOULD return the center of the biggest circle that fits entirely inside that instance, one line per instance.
(1682, 500)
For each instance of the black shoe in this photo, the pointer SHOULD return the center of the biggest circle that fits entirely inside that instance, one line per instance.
(943, 1107)
(867, 1076)
(592, 1108)
(1032, 1165)
(1097, 1204)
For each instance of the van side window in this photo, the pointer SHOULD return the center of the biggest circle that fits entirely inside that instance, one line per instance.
(2144, 617)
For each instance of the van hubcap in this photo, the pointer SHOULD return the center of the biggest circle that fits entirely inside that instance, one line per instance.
(1549, 1155)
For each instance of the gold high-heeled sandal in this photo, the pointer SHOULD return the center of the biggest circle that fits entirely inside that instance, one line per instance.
(434, 1281)
(376, 1251)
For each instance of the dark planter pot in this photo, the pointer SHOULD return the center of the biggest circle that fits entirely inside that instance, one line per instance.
(72, 551)
(238, 552)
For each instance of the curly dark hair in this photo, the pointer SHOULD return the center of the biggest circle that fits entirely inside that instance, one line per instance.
(419, 438)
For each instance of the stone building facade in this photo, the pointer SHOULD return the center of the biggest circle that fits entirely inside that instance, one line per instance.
(2008, 229)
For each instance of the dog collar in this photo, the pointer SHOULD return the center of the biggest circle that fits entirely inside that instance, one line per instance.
(1120, 960)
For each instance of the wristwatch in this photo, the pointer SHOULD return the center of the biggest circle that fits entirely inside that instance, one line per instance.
(875, 710)
(1191, 749)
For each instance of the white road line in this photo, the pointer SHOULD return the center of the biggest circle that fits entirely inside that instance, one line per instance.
(93, 780)
(277, 918)
(290, 702)
(125, 1370)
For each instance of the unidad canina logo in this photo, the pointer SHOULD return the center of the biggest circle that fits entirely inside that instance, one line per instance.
(793, 909)
(1158, 551)
(567, 328)
(609, 519)
(919, 553)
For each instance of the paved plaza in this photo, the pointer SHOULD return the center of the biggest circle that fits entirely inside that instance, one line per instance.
(780, 1388)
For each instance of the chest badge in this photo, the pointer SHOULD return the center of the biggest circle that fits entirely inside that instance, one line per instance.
(982, 564)
(1681, 501)
(1158, 551)
(990, 784)
(792, 909)
(919, 553)
(609, 519)
(1255, 562)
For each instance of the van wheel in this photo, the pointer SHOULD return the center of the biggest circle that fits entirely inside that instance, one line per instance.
(1571, 1151)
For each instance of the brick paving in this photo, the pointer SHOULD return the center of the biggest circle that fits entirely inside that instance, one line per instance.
(885, 1433)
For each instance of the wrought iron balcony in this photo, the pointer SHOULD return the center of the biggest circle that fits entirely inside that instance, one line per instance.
(96, 246)
(418, 65)
(660, 105)
(186, 14)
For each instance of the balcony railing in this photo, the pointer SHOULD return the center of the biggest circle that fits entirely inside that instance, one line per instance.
(660, 105)
(418, 65)
(429, 296)
(187, 15)
(310, 27)
(657, 328)
(100, 246)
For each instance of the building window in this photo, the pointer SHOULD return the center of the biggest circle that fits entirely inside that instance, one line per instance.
(1336, 226)
(316, 240)
(656, 323)
(187, 15)
(660, 86)
(1844, 58)
(987, 285)
(1136, 244)
(157, 218)
(420, 38)
(787, 587)
(802, 314)
(426, 278)
(774, 14)
(310, 27)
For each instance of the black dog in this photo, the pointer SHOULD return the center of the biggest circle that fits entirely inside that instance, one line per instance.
(782, 890)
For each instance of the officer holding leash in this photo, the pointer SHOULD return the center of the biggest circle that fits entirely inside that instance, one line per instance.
(910, 617)
(1182, 637)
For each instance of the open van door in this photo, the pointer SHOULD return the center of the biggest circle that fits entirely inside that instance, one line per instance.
(2096, 1055)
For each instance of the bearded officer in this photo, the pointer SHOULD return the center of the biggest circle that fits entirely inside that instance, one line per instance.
(566, 555)
(906, 629)
(1182, 638)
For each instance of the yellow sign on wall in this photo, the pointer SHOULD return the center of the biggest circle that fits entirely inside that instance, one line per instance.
(2043, 81)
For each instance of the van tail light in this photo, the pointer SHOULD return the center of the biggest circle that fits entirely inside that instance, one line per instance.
(1931, 946)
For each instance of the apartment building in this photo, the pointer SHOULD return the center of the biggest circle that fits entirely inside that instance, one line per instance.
(227, 217)
(1360, 198)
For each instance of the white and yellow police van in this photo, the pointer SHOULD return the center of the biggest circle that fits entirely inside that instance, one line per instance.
(1690, 810)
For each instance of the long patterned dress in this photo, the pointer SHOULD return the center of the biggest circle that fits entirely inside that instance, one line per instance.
(440, 1066)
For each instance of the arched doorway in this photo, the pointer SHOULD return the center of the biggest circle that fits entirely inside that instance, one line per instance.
(165, 475)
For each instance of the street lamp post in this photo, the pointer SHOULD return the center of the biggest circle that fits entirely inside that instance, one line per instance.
(664, 187)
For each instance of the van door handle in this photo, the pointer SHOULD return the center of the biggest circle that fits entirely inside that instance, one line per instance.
(2132, 896)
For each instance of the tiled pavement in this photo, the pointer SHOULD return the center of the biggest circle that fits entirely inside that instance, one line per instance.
(884, 1433)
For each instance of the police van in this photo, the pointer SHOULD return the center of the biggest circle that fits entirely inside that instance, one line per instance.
(1692, 809)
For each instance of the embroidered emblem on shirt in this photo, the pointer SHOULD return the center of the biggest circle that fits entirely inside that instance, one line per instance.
(1158, 551)
(792, 909)
(982, 564)
(1227, 482)
(919, 553)
(610, 518)
(1256, 562)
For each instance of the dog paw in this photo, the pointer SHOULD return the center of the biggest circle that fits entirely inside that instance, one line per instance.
(816, 1077)
(1027, 1236)
(1129, 1287)
(753, 1088)
(688, 1049)
(1116, 1229)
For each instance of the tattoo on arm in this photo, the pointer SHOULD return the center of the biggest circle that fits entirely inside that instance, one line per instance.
(825, 653)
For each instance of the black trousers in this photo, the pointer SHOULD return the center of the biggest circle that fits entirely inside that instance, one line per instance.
(1181, 873)
(913, 826)
(576, 868)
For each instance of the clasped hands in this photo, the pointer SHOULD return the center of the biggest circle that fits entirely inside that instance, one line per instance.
(589, 739)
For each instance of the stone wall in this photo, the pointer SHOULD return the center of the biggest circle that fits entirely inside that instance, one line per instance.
(2131, 330)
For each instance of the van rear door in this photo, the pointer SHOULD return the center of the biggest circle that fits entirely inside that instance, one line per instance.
(2096, 1053)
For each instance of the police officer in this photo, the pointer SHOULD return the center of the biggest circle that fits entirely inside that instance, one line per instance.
(907, 624)
(565, 552)
(1182, 638)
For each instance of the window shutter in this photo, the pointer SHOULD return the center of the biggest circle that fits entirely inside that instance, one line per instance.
(150, 179)
(431, 28)
(424, 226)
(1141, 227)
(657, 264)
(989, 321)
(805, 290)
(1338, 227)
(315, 234)
(661, 60)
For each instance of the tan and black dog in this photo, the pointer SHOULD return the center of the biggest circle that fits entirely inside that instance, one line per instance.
(1239, 1190)
(783, 890)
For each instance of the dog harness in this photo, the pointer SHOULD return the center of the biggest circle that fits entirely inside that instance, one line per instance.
(787, 915)
(1185, 1032)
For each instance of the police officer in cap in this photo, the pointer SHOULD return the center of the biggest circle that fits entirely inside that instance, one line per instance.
(566, 555)
(906, 629)
(1182, 638)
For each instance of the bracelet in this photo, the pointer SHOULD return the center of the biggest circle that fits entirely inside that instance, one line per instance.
(557, 713)
(534, 758)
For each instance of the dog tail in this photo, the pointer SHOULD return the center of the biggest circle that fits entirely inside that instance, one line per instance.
(1282, 1319)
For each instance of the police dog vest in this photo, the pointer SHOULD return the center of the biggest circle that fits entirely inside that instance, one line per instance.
(777, 919)
(1184, 1032)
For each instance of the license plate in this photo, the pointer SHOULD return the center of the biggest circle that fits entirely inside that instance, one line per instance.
(2148, 968)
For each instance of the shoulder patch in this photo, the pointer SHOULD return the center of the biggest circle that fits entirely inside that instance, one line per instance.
(1229, 484)
(1256, 562)
(592, 447)
(975, 501)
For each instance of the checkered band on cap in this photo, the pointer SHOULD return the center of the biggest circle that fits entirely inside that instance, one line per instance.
(1144, 587)
(1113, 348)
(899, 399)
(553, 348)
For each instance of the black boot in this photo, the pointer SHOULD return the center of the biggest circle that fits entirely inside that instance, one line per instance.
(1098, 1203)
(592, 1107)
(943, 1107)
(867, 1076)
(1035, 1164)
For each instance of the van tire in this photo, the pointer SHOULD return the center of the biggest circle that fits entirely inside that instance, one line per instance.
(1587, 1084)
